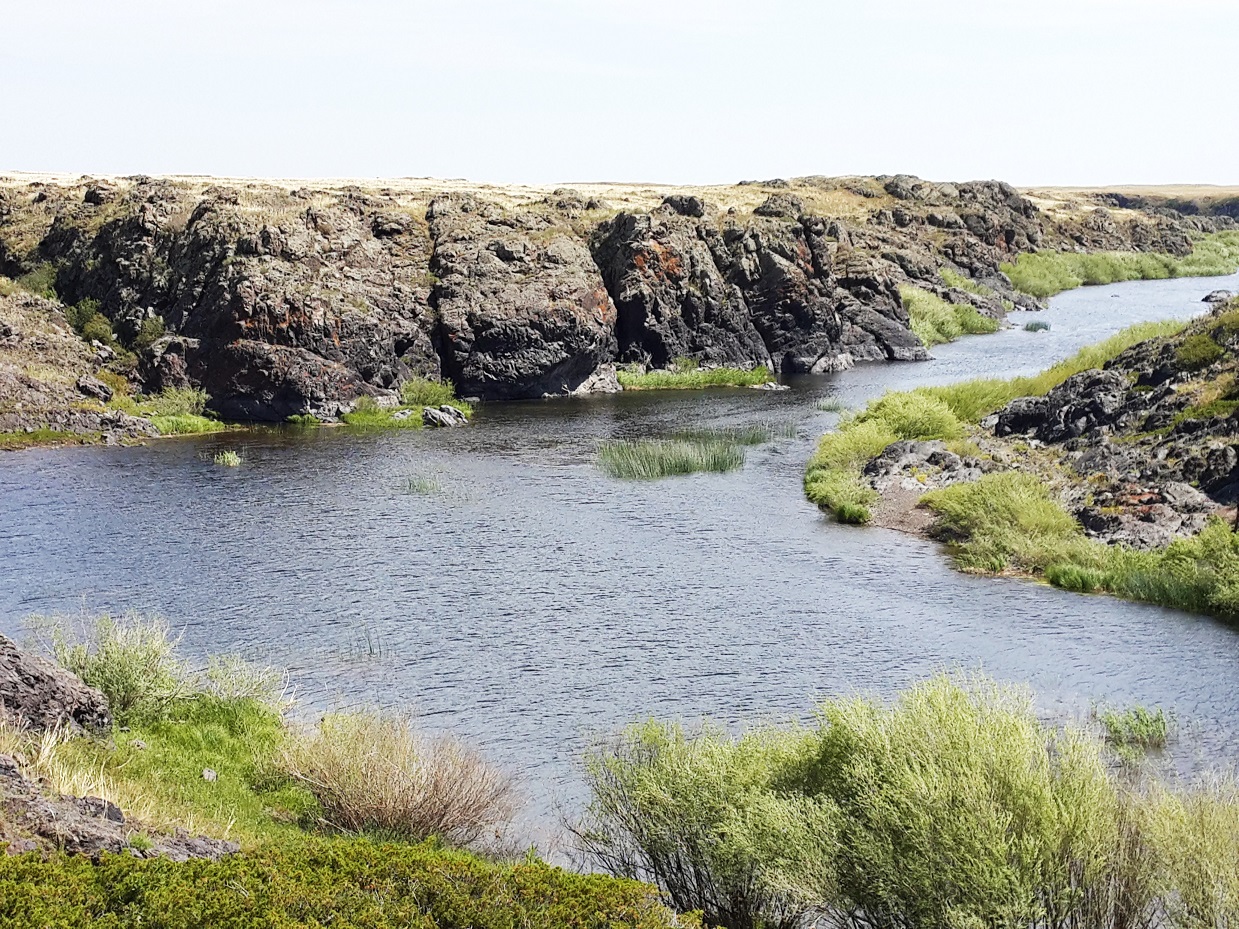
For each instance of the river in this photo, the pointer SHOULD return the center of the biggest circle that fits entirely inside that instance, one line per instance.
(530, 603)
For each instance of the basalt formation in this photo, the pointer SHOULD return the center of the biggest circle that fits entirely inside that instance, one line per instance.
(282, 299)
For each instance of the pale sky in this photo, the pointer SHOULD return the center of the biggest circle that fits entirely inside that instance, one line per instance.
(676, 91)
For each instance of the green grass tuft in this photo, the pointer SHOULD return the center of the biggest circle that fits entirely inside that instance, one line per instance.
(693, 378)
(1197, 351)
(934, 321)
(1136, 728)
(1037, 325)
(650, 459)
(1045, 273)
(958, 281)
(228, 459)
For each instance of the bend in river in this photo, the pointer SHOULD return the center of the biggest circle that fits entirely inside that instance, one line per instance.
(527, 601)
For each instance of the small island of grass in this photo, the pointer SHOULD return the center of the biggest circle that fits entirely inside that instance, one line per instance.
(687, 374)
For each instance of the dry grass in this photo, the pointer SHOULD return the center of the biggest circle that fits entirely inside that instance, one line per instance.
(375, 774)
(268, 200)
(52, 757)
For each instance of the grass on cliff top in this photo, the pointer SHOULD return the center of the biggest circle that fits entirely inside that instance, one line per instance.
(686, 375)
(934, 321)
(1046, 273)
(832, 476)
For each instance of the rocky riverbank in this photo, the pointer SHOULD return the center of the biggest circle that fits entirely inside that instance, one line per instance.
(1116, 463)
(285, 299)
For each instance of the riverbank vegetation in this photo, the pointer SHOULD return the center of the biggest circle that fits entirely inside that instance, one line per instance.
(685, 452)
(955, 805)
(357, 818)
(934, 321)
(1010, 521)
(415, 394)
(1046, 273)
(833, 474)
(686, 374)
(173, 411)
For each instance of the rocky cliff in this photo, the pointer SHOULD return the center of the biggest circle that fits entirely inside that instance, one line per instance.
(280, 299)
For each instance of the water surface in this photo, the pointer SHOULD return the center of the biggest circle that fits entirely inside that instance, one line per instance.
(531, 602)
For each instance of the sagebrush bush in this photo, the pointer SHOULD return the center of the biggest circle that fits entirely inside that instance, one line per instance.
(373, 773)
(132, 659)
(955, 805)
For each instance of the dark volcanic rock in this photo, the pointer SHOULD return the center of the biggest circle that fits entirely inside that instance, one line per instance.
(523, 311)
(44, 695)
(671, 298)
(86, 825)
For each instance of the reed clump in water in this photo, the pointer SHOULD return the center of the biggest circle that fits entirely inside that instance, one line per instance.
(686, 452)
(934, 321)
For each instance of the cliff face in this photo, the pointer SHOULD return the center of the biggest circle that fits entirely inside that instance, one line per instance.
(280, 300)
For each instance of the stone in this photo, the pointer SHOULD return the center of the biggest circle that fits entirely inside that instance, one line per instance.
(1217, 296)
(44, 695)
(93, 387)
(210, 775)
(444, 416)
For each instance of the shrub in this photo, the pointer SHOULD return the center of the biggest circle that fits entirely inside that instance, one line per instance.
(40, 282)
(149, 332)
(7, 287)
(953, 806)
(374, 774)
(1197, 351)
(327, 882)
(680, 811)
(418, 391)
(81, 313)
(98, 329)
(131, 659)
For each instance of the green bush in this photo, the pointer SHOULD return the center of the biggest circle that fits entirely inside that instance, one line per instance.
(150, 332)
(678, 811)
(81, 313)
(347, 883)
(1197, 351)
(419, 391)
(41, 281)
(954, 806)
(98, 329)
(131, 659)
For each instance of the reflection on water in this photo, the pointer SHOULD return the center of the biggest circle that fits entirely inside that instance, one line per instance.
(493, 580)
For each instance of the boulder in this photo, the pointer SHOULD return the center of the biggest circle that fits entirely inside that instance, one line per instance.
(1217, 296)
(43, 695)
(443, 416)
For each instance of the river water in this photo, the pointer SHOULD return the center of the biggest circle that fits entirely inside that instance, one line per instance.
(530, 603)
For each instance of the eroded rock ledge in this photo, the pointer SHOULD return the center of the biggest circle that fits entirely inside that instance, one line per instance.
(283, 301)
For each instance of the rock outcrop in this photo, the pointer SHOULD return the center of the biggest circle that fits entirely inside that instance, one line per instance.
(281, 302)
(31, 820)
(42, 695)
